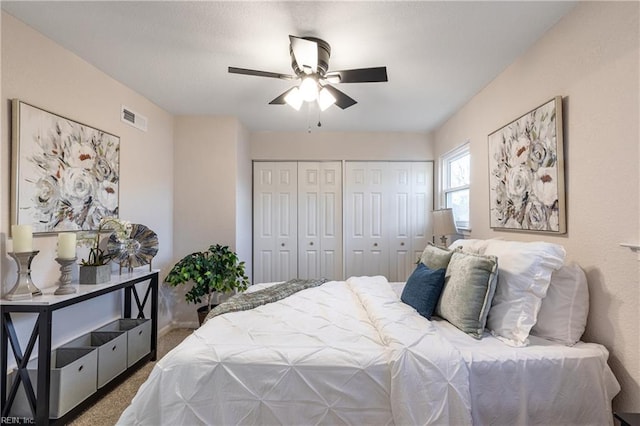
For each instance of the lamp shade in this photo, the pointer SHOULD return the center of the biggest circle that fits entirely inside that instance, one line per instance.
(325, 99)
(443, 222)
(294, 99)
(309, 89)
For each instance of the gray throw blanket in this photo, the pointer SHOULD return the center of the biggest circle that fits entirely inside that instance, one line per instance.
(245, 301)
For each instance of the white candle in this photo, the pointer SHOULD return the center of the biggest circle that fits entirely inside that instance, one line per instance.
(22, 238)
(66, 245)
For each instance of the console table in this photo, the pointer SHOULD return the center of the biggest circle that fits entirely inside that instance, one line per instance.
(43, 306)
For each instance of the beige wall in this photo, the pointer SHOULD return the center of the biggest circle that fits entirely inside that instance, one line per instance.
(38, 71)
(213, 187)
(244, 201)
(341, 146)
(204, 154)
(590, 58)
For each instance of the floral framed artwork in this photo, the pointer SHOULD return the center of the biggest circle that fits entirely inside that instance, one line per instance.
(65, 174)
(526, 172)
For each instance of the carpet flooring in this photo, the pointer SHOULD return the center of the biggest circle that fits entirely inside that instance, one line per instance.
(107, 411)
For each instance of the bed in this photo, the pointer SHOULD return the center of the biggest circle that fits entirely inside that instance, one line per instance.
(352, 352)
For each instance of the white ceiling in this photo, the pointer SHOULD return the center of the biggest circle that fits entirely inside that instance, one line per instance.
(438, 54)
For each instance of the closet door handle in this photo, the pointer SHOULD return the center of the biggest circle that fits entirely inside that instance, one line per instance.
(402, 243)
(311, 243)
(282, 244)
(375, 244)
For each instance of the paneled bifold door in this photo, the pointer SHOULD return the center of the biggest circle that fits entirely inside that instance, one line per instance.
(320, 220)
(298, 218)
(275, 226)
(387, 210)
(297, 214)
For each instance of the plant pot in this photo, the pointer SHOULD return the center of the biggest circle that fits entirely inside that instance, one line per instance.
(203, 311)
(95, 274)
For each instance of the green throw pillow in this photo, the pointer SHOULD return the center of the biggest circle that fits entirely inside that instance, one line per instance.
(435, 257)
(470, 282)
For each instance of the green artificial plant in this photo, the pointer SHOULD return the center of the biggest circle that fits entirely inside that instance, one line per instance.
(92, 239)
(217, 269)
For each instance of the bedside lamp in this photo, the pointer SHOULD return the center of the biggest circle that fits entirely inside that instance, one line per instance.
(443, 224)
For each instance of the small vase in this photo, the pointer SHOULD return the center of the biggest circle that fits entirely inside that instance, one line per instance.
(94, 274)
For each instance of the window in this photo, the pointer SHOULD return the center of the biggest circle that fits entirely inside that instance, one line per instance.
(454, 184)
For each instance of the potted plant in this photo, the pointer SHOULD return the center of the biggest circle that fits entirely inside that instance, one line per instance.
(95, 269)
(216, 270)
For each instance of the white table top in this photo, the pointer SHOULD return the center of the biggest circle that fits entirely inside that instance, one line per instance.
(48, 298)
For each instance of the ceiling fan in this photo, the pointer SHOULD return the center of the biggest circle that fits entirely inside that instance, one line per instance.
(310, 63)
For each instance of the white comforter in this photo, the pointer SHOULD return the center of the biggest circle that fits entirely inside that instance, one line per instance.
(342, 353)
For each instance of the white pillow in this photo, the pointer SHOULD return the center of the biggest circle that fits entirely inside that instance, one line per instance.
(563, 314)
(524, 273)
(470, 245)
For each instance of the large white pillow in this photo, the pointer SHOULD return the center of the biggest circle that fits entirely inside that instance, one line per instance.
(524, 273)
(563, 314)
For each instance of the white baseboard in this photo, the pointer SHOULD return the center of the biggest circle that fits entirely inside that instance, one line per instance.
(177, 324)
(184, 324)
(164, 330)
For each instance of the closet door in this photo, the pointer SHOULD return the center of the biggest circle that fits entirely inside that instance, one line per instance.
(320, 220)
(399, 220)
(386, 217)
(410, 195)
(275, 221)
(366, 251)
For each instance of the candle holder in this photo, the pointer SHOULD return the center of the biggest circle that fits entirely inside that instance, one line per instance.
(24, 287)
(64, 282)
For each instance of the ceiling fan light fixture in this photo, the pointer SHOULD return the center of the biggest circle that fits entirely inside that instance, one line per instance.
(333, 78)
(294, 98)
(325, 99)
(310, 64)
(309, 89)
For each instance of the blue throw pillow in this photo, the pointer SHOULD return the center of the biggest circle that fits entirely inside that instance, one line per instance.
(423, 288)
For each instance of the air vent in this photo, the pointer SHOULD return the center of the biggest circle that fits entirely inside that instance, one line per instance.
(133, 118)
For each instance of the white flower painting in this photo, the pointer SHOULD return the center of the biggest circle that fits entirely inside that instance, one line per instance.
(66, 174)
(526, 172)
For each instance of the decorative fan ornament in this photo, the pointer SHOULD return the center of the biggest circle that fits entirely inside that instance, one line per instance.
(310, 63)
(138, 250)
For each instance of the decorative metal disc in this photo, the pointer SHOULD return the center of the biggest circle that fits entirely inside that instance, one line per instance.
(138, 250)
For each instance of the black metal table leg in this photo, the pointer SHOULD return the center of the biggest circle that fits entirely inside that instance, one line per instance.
(154, 316)
(4, 349)
(44, 366)
(152, 289)
(127, 303)
(42, 333)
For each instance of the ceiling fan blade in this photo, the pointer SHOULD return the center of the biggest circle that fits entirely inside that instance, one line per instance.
(361, 75)
(280, 99)
(305, 53)
(343, 100)
(244, 71)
